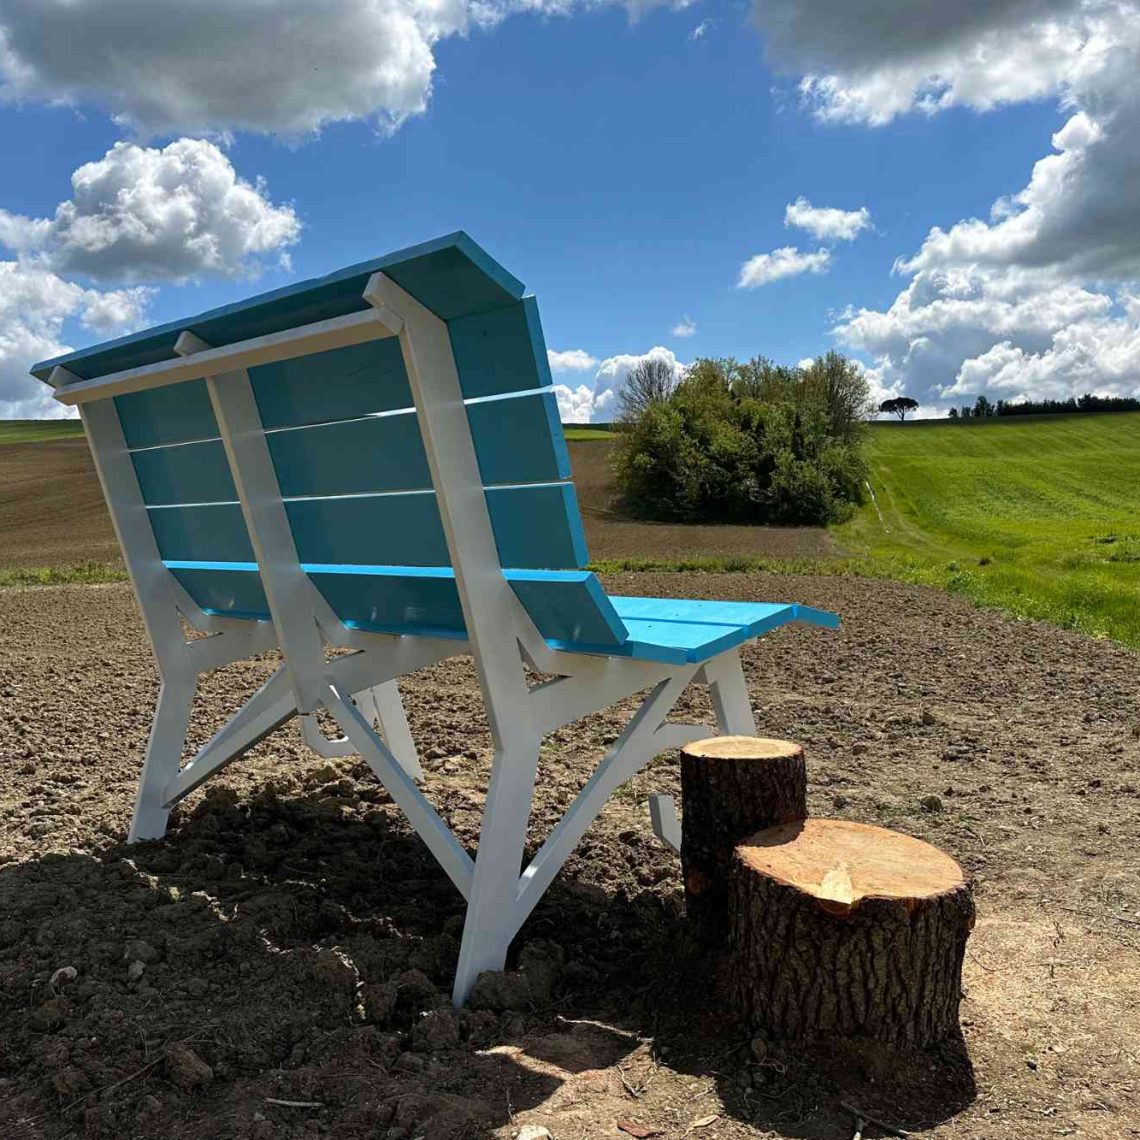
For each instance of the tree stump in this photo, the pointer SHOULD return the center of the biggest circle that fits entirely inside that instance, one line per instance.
(841, 930)
(731, 787)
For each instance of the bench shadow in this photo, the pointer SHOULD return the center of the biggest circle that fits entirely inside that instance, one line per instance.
(285, 958)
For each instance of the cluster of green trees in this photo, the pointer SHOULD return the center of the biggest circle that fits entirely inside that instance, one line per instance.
(982, 408)
(751, 442)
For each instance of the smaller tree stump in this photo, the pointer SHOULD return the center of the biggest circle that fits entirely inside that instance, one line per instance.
(841, 930)
(731, 787)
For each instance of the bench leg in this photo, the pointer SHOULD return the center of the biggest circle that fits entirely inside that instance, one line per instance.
(163, 758)
(729, 693)
(491, 908)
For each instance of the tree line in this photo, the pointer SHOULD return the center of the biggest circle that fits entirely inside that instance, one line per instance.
(983, 408)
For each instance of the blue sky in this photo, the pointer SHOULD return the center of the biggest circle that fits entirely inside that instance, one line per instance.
(624, 165)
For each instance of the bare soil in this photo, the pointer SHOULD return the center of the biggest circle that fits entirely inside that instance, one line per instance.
(52, 514)
(277, 967)
(51, 506)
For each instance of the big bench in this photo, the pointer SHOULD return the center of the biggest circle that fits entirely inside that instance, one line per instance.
(373, 461)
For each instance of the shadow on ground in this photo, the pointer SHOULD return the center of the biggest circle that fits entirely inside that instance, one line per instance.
(279, 967)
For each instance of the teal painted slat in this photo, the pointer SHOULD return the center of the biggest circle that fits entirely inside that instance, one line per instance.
(337, 385)
(756, 616)
(381, 453)
(535, 527)
(583, 616)
(759, 617)
(516, 441)
(451, 275)
(519, 440)
(538, 527)
(455, 281)
(185, 473)
(679, 642)
(371, 530)
(532, 528)
(500, 351)
(565, 605)
(172, 414)
(229, 593)
(201, 533)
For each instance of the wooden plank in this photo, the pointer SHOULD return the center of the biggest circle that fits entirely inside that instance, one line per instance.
(184, 473)
(451, 275)
(167, 415)
(215, 531)
(327, 386)
(500, 351)
(536, 527)
(411, 600)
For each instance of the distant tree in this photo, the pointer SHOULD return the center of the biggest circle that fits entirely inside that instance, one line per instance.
(982, 408)
(900, 406)
(953, 413)
(650, 381)
(841, 386)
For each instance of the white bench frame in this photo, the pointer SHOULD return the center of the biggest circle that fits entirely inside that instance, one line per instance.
(360, 688)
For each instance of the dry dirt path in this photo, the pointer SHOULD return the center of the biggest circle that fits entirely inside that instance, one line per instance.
(291, 934)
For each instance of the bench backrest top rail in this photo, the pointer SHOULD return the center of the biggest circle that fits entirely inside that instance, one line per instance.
(343, 435)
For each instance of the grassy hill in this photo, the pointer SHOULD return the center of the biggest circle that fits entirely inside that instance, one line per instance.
(36, 431)
(1039, 515)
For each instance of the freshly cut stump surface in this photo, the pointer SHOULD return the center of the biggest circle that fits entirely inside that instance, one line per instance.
(843, 930)
(731, 787)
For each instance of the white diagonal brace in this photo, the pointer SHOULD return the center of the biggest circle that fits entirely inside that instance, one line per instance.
(601, 682)
(643, 738)
(286, 584)
(425, 820)
(270, 707)
(232, 643)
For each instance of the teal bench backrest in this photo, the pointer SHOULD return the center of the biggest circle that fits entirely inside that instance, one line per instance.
(345, 442)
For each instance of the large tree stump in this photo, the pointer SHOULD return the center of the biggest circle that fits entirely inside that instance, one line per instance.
(841, 930)
(731, 787)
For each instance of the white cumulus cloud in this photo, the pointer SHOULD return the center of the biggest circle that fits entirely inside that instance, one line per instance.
(686, 326)
(597, 402)
(787, 261)
(140, 213)
(34, 305)
(1035, 300)
(286, 67)
(572, 360)
(865, 61)
(827, 223)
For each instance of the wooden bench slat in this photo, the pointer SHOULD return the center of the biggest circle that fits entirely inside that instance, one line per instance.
(535, 527)
(565, 605)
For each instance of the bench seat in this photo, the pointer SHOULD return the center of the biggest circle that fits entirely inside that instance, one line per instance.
(569, 607)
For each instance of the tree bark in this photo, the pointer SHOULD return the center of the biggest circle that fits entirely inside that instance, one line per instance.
(731, 787)
(840, 930)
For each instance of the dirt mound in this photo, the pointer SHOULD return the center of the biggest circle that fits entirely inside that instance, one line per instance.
(278, 966)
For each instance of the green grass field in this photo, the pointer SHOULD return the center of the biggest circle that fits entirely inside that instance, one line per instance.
(33, 431)
(577, 432)
(1037, 515)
